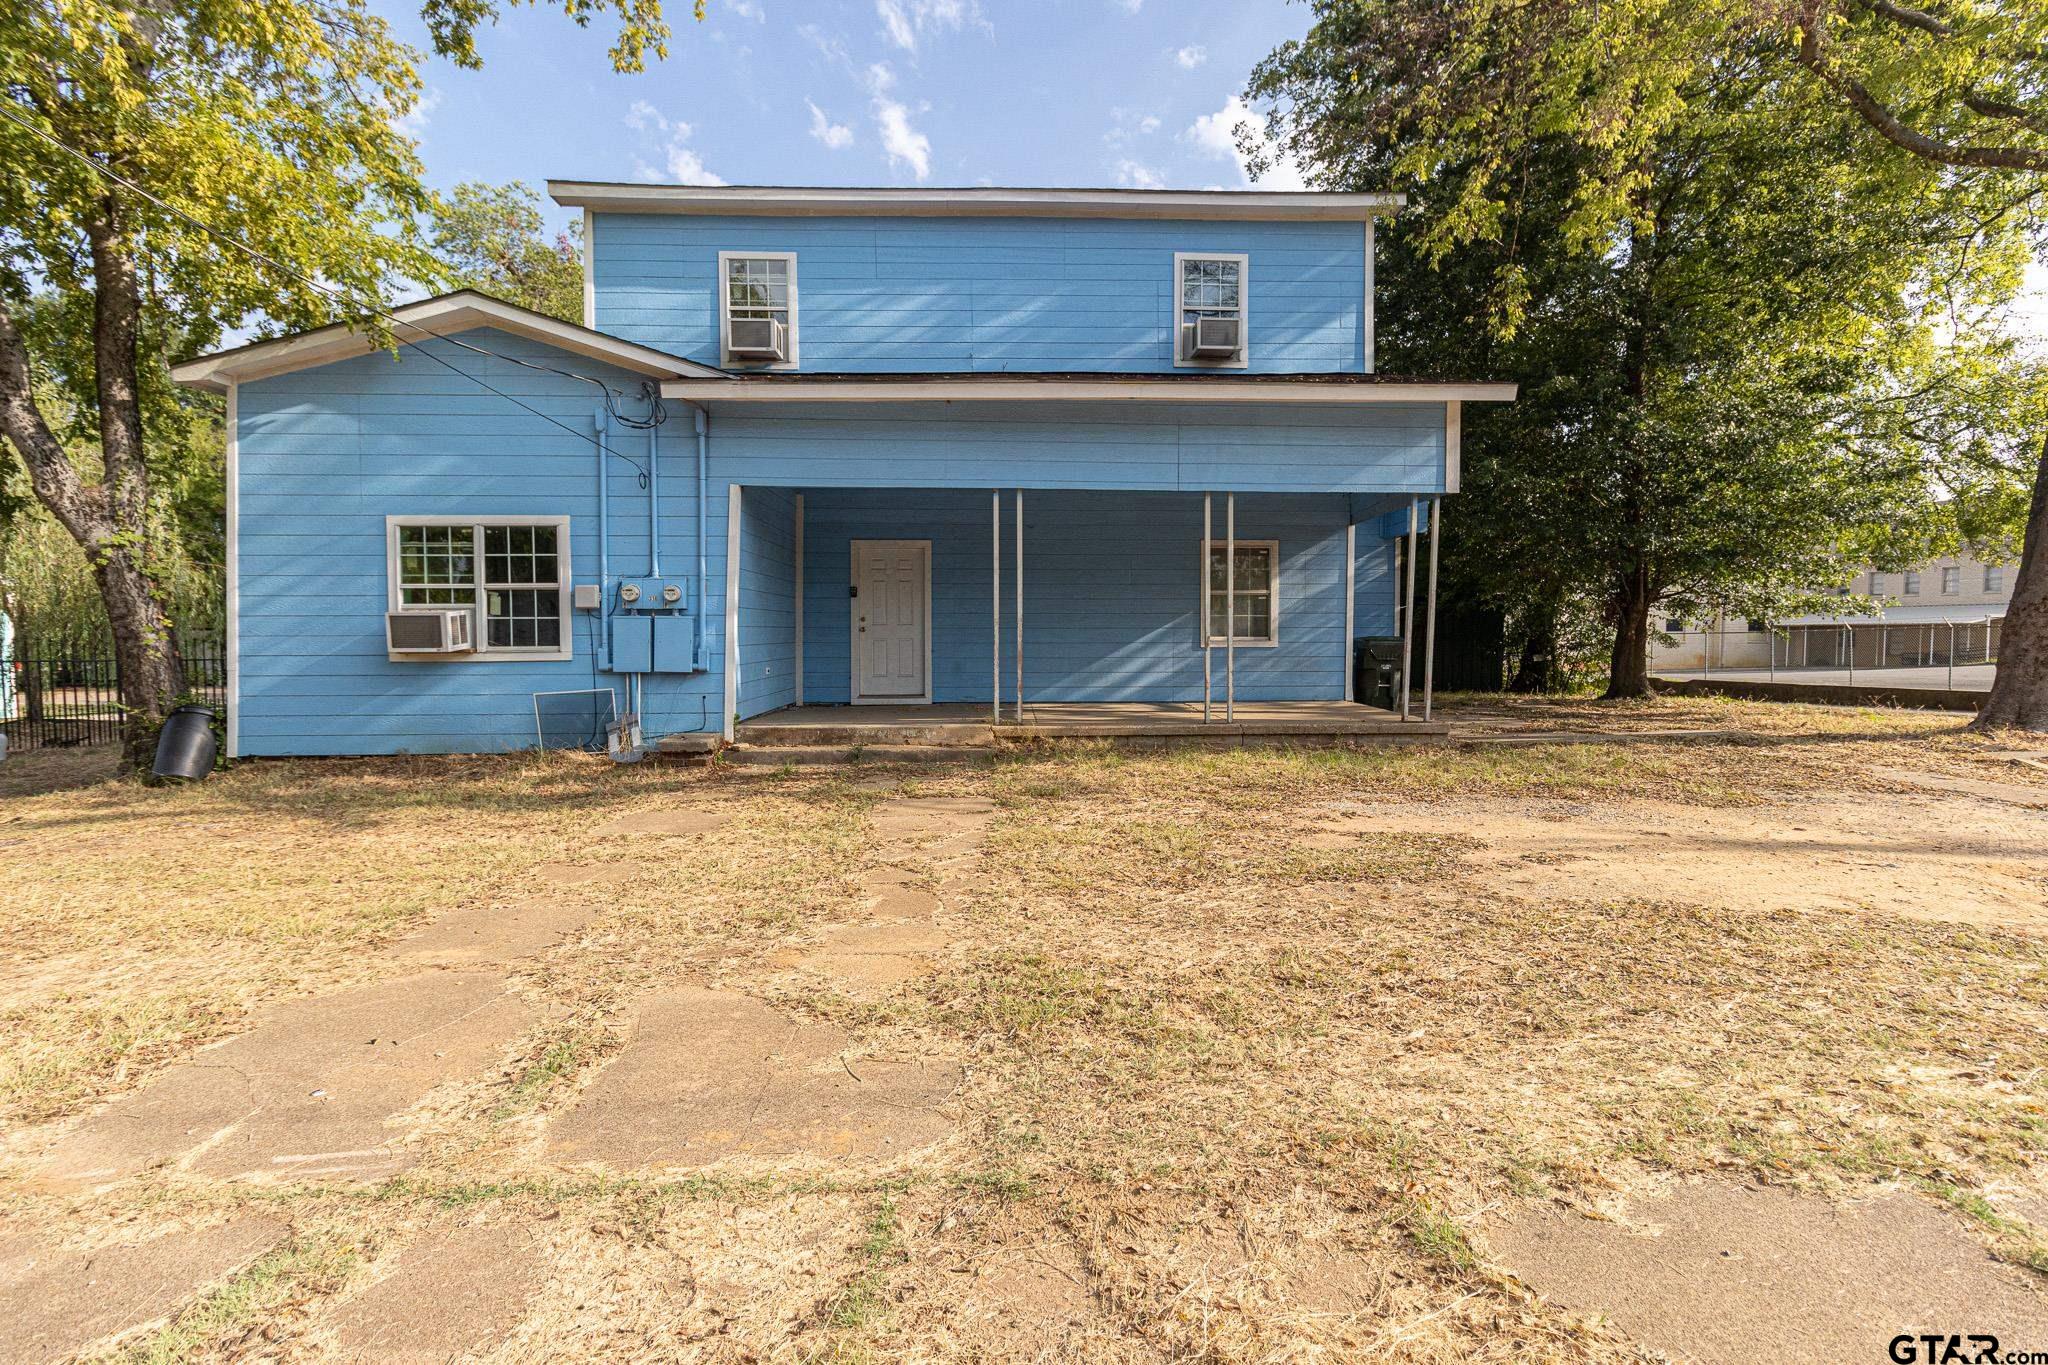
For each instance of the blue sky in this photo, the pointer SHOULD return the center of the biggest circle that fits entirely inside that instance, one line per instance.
(1140, 93)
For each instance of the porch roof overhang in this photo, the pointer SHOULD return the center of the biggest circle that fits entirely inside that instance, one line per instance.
(798, 201)
(425, 320)
(1043, 387)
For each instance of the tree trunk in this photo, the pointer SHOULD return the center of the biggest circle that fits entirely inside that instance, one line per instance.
(1628, 669)
(2019, 689)
(108, 521)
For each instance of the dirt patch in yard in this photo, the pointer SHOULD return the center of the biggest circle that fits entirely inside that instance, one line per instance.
(310, 1092)
(710, 1074)
(57, 1300)
(1906, 856)
(1715, 1272)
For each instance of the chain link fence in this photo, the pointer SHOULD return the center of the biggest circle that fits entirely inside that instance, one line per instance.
(1947, 654)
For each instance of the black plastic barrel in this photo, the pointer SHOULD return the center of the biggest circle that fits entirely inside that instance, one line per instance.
(185, 748)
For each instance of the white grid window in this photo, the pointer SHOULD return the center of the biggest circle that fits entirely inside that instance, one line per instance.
(520, 578)
(1951, 581)
(758, 286)
(1994, 578)
(1210, 286)
(1257, 589)
(1912, 584)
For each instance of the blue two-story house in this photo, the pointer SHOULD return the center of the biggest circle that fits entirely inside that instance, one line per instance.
(835, 446)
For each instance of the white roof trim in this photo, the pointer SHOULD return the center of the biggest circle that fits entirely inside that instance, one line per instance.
(1161, 390)
(415, 322)
(802, 201)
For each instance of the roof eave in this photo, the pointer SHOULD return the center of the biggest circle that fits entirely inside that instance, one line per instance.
(806, 201)
(1109, 389)
(424, 320)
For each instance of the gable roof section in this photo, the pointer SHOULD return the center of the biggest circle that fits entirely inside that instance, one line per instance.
(424, 321)
(800, 201)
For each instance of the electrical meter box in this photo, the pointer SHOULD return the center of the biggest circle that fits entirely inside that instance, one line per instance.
(650, 594)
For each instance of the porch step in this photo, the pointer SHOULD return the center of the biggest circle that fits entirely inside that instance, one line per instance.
(780, 755)
(854, 734)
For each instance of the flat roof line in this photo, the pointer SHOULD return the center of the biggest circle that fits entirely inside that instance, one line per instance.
(975, 201)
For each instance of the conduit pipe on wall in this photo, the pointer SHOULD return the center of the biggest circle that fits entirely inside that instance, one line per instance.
(703, 514)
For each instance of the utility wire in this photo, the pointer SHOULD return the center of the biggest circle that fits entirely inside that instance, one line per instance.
(657, 414)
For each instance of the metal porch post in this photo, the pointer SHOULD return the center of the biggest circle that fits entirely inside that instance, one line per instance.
(1408, 611)
(995, 630)
(1436, 526)
(1020, 606)
(1208, 683)
(1230, 607)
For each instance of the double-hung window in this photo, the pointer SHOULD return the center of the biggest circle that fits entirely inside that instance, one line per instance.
(1912, 584)
(1951, 580)
(1994, 578)
(757, 290)
(1257, 591)
(511, 573)
(1212, 289)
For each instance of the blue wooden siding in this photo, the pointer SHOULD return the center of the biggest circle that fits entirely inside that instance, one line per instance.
(767, 600)
(326, 454)
(986, 294)
(1111, 592)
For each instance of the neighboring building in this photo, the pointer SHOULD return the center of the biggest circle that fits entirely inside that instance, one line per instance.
(856, 389)
(1947, 609)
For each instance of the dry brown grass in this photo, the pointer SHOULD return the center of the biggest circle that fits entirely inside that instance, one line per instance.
(1238, 1090)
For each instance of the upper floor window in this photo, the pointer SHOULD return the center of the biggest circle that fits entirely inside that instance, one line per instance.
(757, 312)
(1212, 292)
(1912, 588)
(1994, 578)
(1951, 580)
(516, 569)
(1876, 583)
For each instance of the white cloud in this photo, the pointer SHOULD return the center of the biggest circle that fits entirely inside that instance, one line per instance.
(1216, 134)
(903, 143)
(831, 48)
(1130, 6)
(414, 124)
(682, 164)
(907, 21)
(1191, 56)
(833, 135)
(1138, 176)
(1125, 125)
(749, 9)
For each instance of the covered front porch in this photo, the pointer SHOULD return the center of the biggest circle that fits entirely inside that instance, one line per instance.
(874, 615)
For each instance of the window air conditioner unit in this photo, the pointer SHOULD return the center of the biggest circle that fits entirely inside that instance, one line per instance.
(1216, 338)
(758, 339)
(428, 632)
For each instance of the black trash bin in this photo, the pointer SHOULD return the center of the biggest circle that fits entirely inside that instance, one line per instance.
(186, 746)
(1376, 670)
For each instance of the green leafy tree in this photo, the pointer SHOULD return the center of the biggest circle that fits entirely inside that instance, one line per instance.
(267, 122)
(493, 238)
(1714, 285)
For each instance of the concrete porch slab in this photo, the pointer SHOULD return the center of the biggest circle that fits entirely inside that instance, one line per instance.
(969, 723)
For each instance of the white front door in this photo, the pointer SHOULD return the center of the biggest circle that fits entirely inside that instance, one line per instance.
(892, 612)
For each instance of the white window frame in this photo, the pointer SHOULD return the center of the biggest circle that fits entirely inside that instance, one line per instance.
(1911, 587)
(1208, 627)
(479, 625)
(1952, 580)
(725, 357)
(1994, 578)
(1243, 358)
